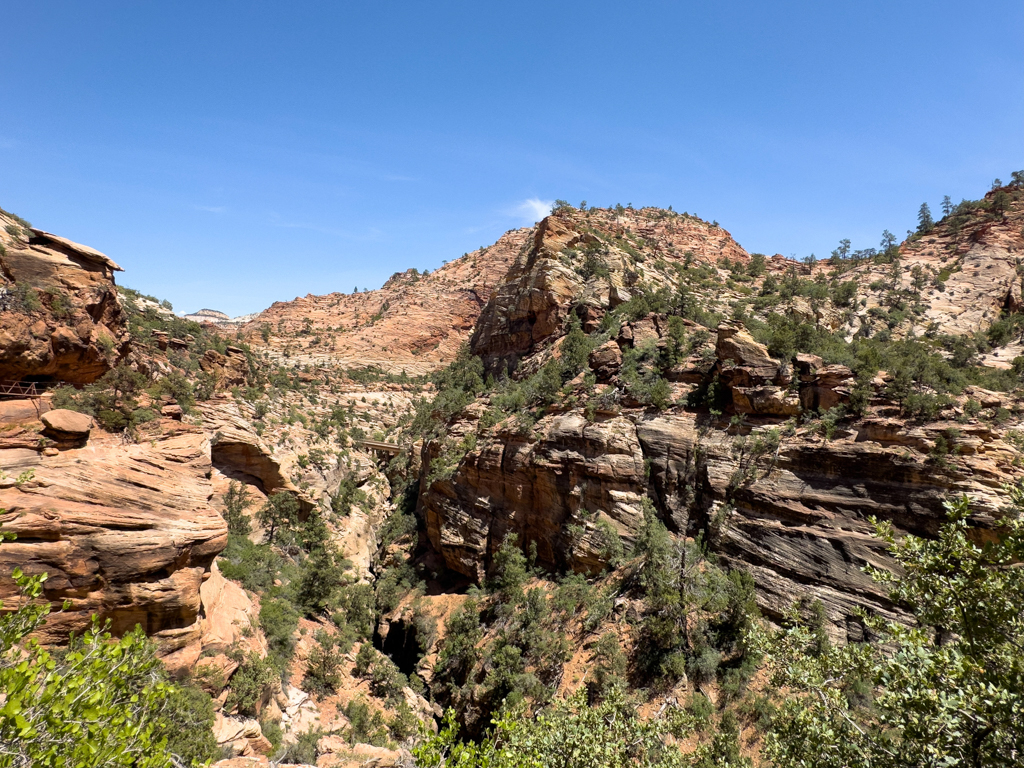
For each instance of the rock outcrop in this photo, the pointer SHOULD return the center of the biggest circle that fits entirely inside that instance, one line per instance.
(60, 318)
(588, 258)
(125, 532)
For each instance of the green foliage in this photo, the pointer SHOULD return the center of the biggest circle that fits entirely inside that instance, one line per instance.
(641, 374)
(925, 222)
(175, 385)
(696, 613)
(947, 691)
(303, 749)
(255, 566)
(279, 517)
(458, 651)
(366, 726)
(278, 620)
(574, 350)
(510, 570)
(348, 493)
(236, 501)
(250, 684)
(355, 614)
(101, 702)
(569, 734)
(320, 575)
(610, 665)
(457, 385)
(27, 297)
(111, 400)
(187, 724)
(323, 675)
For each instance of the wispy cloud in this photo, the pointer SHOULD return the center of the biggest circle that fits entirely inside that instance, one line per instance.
(210, 208)
(370, 235)
(531, 210)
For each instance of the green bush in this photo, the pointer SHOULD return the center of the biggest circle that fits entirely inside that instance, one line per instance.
(944, 691)
(187, 725)
(303, 749)
(279, 516)
(323, 674)
(279, 619)
(365, 726)
(251, 682)
(255, 566)
(569, 734)
(99, 702)
(236, 501)
(509, 571)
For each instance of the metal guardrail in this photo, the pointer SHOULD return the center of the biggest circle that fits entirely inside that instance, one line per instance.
(29, 389)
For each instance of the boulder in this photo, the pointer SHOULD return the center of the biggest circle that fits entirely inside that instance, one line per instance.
(172, 412)
(606, 360)
(826, 387)
(67, 424)
(737, 345)
(240, 737)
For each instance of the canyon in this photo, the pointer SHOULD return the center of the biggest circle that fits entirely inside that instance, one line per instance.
(558, 389)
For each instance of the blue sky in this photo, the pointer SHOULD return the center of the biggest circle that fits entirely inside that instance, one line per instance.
(230, 154)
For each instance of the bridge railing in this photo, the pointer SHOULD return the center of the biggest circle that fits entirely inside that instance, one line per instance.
(28, 389)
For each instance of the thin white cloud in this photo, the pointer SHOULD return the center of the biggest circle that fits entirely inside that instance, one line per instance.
(211, 208)
(532, 210)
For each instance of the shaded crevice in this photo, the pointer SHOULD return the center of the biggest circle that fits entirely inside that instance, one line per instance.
(400, 644)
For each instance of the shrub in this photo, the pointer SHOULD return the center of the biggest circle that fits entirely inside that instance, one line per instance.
(236, 501)
(279, 516)
(509, 570)
(303, 749)
(250, 683)
(365, 726)
(279, 620)
(100, 701)
(945, 689)
(322, 667)
(458, 653)
(188, 720)
(255, 566)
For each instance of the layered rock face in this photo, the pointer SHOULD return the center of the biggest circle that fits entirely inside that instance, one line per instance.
(589, 258)
(415, 322)
(738, 456)
(794, 510)
(61, 319)
(125, 532)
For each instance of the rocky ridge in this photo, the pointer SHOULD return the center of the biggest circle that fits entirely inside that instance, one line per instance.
(414, 323)
(736, 451)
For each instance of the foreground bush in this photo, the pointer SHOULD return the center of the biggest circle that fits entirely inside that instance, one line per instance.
(100, 702)
(570, 734)
(948, 691)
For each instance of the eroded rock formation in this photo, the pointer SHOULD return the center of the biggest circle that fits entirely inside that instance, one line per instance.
(60, 318)
(124, 531)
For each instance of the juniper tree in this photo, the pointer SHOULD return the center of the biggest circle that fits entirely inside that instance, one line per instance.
(925, 222)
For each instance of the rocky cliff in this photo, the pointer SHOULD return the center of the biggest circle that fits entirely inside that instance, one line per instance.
(777, 461)
(125, 532)
(415, 322)
(60, 319)
(596, 260)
